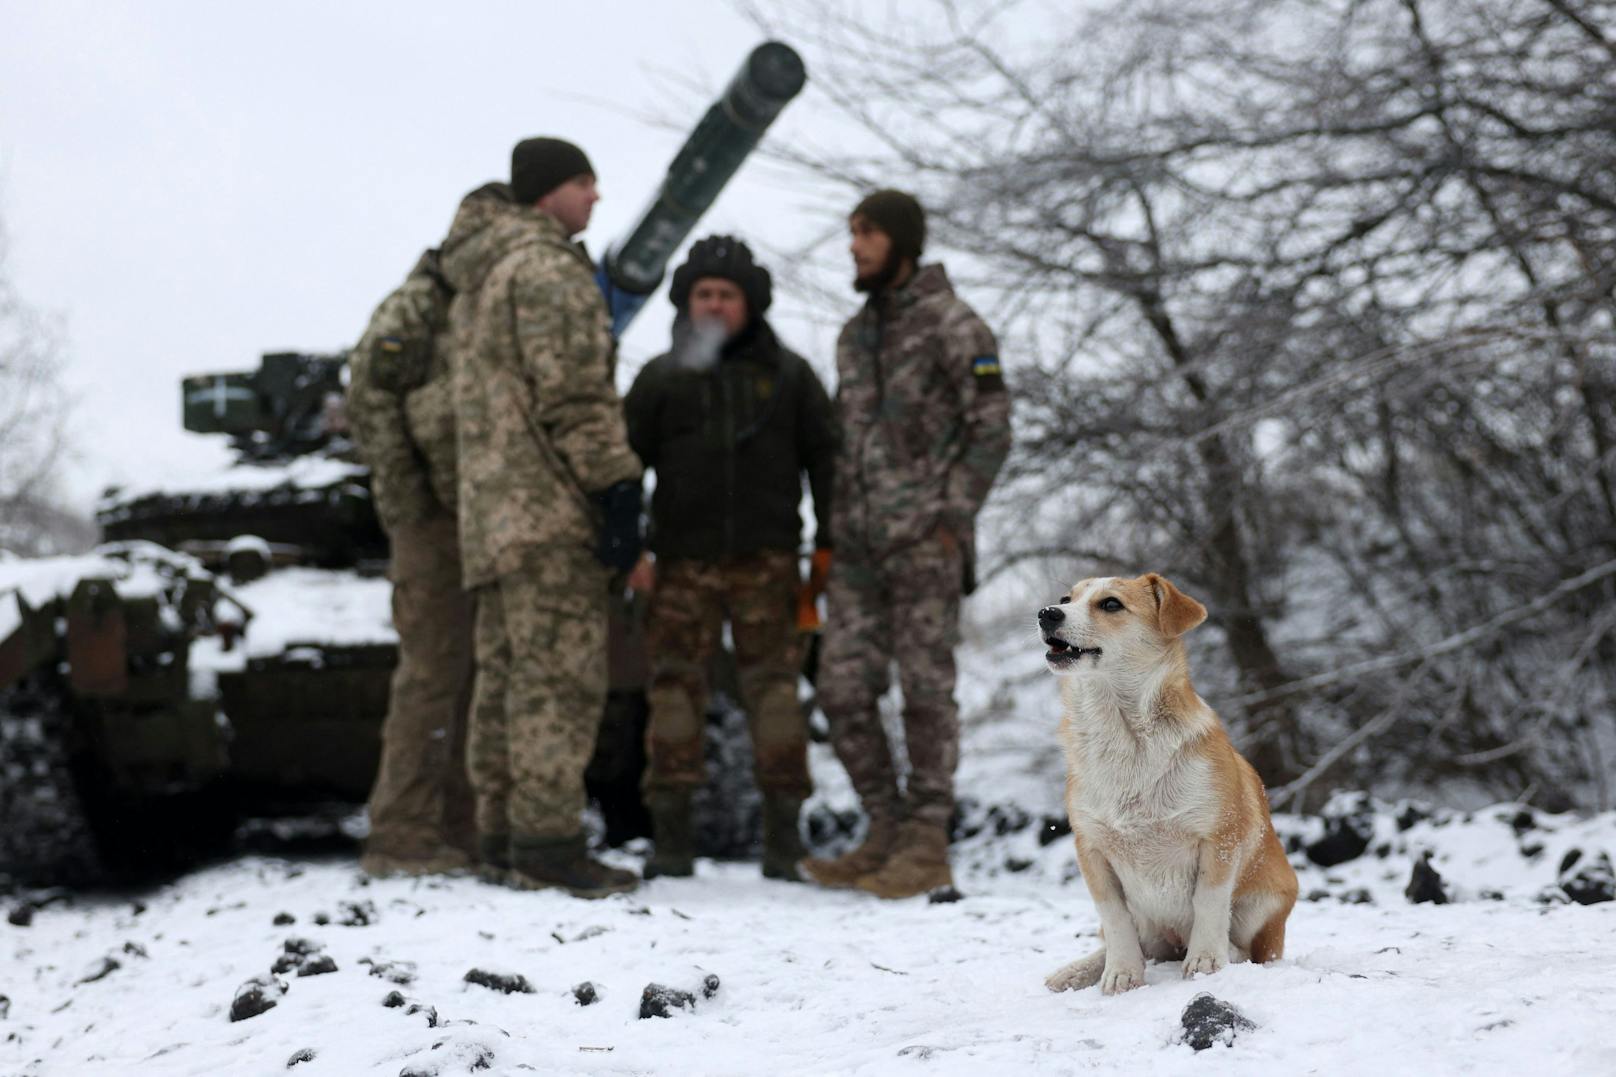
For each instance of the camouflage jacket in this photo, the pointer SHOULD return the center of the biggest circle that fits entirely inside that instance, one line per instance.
(925, 420)
(400, 389)
(393, 359)
(539, 423)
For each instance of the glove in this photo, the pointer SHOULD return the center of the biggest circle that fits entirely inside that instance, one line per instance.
(819, 571)
(809, 591)
(619, 546)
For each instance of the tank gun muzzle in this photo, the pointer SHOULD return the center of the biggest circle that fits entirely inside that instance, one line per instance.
(768, 79)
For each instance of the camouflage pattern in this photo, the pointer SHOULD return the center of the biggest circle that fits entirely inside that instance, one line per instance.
(905, 607)
(400, 384)
(925, 425)
(393, 359)
(925, 420)
(538, 420)
(757, 593)
(540, 688)
(422, 798)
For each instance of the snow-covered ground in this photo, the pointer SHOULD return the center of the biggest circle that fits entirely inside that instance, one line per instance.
(1508, 977)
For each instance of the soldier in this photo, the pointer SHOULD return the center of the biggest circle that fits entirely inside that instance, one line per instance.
(731, 420)
(549, 503)
(401, 410)
(925, 428)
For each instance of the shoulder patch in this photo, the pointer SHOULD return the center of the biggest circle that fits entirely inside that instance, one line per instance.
(988, 375)
(391, 344)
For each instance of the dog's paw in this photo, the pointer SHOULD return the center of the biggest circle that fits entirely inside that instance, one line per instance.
(1114, 981)
(1206, 962)
(1084, 972)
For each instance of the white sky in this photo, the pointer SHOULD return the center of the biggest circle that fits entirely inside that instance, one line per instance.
(192, 184)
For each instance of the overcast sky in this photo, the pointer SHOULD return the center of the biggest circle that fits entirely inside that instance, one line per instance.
(192, 184)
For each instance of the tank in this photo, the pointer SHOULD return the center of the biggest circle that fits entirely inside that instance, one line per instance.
(228, 648)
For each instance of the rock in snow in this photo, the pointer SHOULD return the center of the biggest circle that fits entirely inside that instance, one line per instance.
(1425, 884)
(258, 995)
(510, 983)
(1594, 882)
(1208, 1020)
(659, 1000)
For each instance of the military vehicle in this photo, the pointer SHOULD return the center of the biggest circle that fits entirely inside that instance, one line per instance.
(229, 646)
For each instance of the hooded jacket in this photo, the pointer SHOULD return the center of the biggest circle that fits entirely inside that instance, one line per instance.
(539, 424)
(400, 384)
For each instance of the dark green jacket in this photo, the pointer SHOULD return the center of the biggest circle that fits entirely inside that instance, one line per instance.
(730, 445)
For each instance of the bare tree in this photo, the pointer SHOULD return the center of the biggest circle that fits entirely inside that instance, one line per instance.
(1314, 308)
(34, 407)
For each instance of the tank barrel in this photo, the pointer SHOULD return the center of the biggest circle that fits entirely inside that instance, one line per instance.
(768, 79)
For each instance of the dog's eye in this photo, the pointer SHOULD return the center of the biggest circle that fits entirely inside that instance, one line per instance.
(1110, 605)
(1063, 600)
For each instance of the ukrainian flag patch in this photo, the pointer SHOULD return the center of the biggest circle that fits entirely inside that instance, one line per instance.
(989, 378)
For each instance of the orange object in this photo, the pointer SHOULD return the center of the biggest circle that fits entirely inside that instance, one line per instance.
(807, 610)
(808, 594)
(819, 570)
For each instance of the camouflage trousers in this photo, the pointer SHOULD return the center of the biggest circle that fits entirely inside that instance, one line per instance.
(757, 594)
(541, 687)
(902, 607)
(422, 799)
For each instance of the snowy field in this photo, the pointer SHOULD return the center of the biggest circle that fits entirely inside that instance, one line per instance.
(1509, 977)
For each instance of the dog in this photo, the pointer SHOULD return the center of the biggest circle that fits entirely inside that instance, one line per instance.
(1171, 823)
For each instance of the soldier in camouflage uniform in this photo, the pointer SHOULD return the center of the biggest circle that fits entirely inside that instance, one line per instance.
(549, 502)
(731, 420)
(925, 427)
(400, 409)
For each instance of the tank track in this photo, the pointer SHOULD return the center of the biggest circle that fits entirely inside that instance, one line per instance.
(45, 834)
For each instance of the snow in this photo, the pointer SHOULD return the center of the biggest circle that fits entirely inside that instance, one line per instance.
(815, 981)
(303, 606)
(136, 569)
(1506, 978)
(310, 472)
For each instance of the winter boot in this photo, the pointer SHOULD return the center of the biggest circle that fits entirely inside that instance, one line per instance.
(494, 856)
(675, 851)
(565, 864)
(443, 860)
(918, 864)
(846, 870)
(782, 843)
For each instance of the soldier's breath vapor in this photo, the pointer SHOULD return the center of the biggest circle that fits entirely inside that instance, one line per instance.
(701, 345)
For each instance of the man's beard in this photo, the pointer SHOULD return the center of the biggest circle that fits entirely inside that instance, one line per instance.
(878, 281)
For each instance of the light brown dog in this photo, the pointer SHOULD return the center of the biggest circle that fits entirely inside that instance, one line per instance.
(1172, 826)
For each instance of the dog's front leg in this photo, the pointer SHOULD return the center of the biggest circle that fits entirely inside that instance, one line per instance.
(1208, 949)
(1124, 959)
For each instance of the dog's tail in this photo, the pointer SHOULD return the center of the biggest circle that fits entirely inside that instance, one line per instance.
(1084, 972)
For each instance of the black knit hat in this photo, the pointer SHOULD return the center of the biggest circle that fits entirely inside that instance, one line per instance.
(900, 217)
(540, 165)
(729, 259)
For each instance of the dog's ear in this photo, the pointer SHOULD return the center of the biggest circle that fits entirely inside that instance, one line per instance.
(1176, 612)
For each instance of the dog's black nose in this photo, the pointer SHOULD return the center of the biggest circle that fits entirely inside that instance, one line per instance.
(1050, 616)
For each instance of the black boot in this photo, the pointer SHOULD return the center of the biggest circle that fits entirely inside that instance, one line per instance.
(675, 852)
(782, 841)
(565, 863)
(494, 856)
